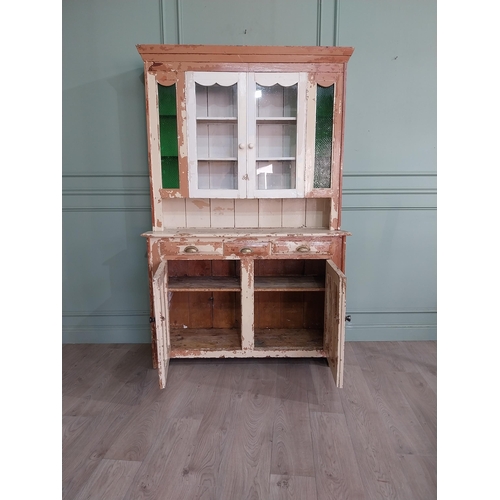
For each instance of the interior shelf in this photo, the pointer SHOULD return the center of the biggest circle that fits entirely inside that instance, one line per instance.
(221, 158)
(216, 119)
(289, 283)
(276, 119)
(208, 339)
(204, 284)
(288, 339)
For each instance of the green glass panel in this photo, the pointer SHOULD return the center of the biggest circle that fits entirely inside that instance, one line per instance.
(324, 136)
(170, 172)
(166, 100)
(168, 136)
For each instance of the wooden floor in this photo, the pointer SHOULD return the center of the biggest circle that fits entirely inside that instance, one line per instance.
(249, 429)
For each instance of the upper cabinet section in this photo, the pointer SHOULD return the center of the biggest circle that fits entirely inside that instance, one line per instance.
(246, 134)
(244, 122)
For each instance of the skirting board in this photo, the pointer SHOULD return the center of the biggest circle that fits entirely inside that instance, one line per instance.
(137, 334)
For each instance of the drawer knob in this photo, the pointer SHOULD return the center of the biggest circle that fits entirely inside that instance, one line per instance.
(191, 249)
(303, 249)
(246, 250)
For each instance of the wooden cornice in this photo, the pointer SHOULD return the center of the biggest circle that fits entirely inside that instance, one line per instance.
(244, 53)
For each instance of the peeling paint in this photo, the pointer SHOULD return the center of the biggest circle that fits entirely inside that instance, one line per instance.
(200, 203)
(334, 211)
(183, 150)
(225, 244)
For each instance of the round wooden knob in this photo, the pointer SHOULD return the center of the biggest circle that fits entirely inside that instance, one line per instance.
(250, 146)
(241, 146)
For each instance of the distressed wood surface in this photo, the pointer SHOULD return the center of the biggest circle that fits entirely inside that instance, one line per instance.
(285, 283)
(244, 232)
(259, 213)
(288, 339)
(271, 227)
(210, 283)
(249, 428)
(195, 50)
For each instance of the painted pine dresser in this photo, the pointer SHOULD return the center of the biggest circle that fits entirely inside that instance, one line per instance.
(246, 256)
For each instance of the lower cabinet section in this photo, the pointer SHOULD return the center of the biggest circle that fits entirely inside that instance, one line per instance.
(249, 307)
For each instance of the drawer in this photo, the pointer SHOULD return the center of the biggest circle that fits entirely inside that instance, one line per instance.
(300, 247)
(247, 248)
(191, 248)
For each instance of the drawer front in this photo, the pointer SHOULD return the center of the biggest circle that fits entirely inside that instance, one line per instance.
(191, 248)
(247, 248)
(300, 247)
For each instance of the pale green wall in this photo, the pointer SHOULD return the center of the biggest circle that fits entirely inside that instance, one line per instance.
(390, 153)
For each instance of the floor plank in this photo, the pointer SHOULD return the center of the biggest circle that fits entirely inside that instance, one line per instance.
(292, 453)
(162, 473)
(110, 480)
(249, 429)
(378, 463)
(292, 488)
(337, 471)
(249, 462)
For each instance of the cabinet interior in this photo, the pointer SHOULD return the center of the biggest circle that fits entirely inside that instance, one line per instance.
(205, 304)
(289, 304)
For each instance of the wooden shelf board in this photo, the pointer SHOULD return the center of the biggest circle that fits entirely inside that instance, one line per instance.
(216, 119)
(215, 232)
(276, 119)
(233, 159)
(213, 339)
(277, 158)
(298, 339)
(190, 340)
(204, 284)
(289, 283)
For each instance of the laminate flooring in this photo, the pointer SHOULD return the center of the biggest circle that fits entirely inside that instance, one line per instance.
(241, 429)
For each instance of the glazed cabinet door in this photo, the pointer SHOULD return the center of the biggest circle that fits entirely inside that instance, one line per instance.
(246, 134)
(216, 134)
(276, 134)
(334, 336)
(160, 303)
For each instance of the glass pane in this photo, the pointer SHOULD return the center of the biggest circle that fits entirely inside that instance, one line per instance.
(276, 137)
(167, 109)
(170, 172)
(216, 101)
(276, 101)
(276, 174)
(217, 175)
(324, 136)
(168, 135)
(276, 140)
(217, 136)
(216, 140)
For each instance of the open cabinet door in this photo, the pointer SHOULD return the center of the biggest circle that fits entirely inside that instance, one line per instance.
(161, 321)
(335, 288)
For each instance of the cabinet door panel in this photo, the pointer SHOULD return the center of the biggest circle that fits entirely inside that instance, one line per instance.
(216, 128)
(161, 321)
(276, 134)
(334, 338)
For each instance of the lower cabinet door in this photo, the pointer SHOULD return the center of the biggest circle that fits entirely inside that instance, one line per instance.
(334, 332)
(161, 321)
